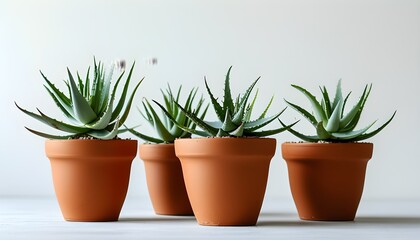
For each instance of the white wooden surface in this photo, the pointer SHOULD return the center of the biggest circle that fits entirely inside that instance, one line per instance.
(40, 218)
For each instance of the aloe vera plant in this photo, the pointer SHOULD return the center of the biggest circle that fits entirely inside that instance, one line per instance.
(331, 121)
(234, 117)
(165, 128)
(89, 105)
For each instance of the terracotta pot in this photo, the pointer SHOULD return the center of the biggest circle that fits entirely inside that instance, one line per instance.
(226, 177)
(91, 176)
(326, 179)
(164, 179)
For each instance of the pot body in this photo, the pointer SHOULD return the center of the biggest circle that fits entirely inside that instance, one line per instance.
(327, 179)
(91, 176)
(226, 178)
(165, 180)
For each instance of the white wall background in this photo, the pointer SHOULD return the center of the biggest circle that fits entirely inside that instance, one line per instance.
(304, 42)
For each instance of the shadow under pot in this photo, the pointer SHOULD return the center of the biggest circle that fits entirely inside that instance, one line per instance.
(226, 178)
(327, 179)
(91, 176)
(165, 181)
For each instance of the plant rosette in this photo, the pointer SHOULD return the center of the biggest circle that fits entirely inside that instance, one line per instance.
(226, 172)
(164, 177)
(91, 165)
(327, 172)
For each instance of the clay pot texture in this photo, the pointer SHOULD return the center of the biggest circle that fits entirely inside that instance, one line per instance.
(91, 176)
(226, 178)
(326, 179)
(165, 180)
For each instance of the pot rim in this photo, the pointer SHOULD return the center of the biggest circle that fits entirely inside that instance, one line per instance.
(325, 143)
(304, 151)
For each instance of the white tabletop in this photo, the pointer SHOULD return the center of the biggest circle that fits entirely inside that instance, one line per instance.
(40, 218)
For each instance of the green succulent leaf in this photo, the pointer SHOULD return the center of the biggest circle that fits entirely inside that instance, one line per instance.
(304, 113)
(200, 123)
(129, 103)
(318, 111)
(60, 96)
(180, 119)
(208, 130)
(145, 137)
(250, 107)
(49, 136)
(228, 125)
(104, 101)
(304, 137)
(333, 123)
(322, 132)
(103, 121)
(352, 134)
(160, 128)
(88, 107)
(121, 102)
(239, 131)
(373, 133)
(86, 92)
(259, 123)
(81, 108)
(266, 108)
(326, 101)
(353, 123)
(239, 116)
(271, 132)
(67, 110)
(104, 134)
(233, 117)
(339, 127)
(227, 100)
(338, 95)
(217, 108)
(52, 122)
(221, 133)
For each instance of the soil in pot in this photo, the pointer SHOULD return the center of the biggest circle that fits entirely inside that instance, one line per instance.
(91, 176)
(327, 179)
(165, 180)
(226, 178)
